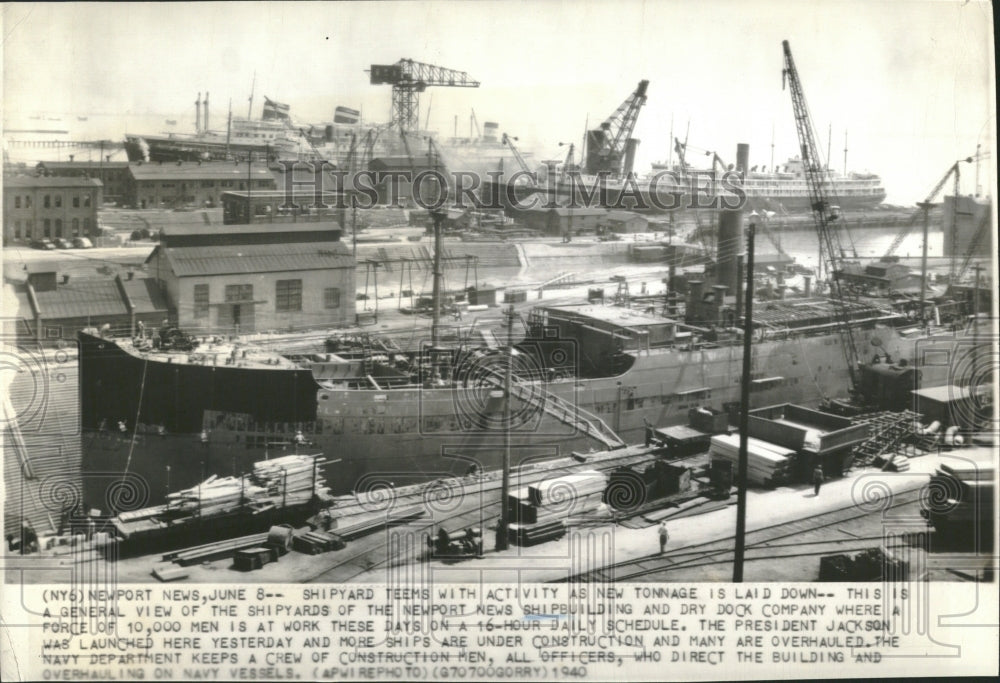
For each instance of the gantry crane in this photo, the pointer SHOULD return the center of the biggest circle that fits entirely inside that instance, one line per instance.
(408, 79)
(610, 148)
(825, 214)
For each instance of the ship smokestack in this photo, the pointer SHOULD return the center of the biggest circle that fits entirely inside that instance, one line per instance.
(731, 230)
(206, 112)
(197, 113)
(808, 285)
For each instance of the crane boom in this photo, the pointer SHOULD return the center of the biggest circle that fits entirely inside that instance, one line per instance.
(610, 148)
(507, 140)
(824, 214)
(908, 228)
(408, 79)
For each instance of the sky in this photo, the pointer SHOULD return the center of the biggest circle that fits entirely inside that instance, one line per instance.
(911, 82)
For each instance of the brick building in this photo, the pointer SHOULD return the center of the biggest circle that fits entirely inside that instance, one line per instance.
(191, 184)
(245, 278)
(111, 173)
(49, 206)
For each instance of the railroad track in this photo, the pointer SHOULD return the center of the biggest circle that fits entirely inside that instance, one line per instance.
(764, 543)
(369, 558)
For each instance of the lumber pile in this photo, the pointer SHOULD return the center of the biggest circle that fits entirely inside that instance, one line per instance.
(295, 478)
(279, 482)
(316, 542)
(767, 463)
(539, 512)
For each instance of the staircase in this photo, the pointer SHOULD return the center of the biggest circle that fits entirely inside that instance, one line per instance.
(562, 410)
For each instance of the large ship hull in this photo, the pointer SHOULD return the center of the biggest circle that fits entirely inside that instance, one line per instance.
(403, 435)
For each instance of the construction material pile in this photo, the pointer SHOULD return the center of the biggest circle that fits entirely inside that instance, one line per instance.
(767, 464)
(280, 482)
(214, 495)
(295, 478)
(539, 512)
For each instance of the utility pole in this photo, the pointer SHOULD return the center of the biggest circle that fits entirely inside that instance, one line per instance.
(437, 217)
(845, 151)
(926, 206)
(741, 474)
(503, 531)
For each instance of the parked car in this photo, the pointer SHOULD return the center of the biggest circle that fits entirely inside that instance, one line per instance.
(43, 243)
(82, 243)
(63, 243)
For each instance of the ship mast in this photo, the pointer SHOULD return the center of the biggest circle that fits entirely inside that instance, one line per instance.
(250, 108)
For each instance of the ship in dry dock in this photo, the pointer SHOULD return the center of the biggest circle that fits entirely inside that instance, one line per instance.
(584, 374)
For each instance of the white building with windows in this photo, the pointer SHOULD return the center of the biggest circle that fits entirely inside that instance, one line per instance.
(240, 279)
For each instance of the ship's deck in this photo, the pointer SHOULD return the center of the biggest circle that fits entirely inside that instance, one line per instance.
(221, 353)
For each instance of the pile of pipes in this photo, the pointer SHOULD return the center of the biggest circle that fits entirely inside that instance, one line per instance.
(767, 464)
(539, 512)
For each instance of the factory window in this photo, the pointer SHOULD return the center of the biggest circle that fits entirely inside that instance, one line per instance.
(53, 332)
(17, 229)
(47, 202)
(29, 228)
(27, 202)
(59, 227)
(17, 201)
(288, 295)
(331, 297)
(76, 227)
(207, 183)
(58, 199)
(166, 185)
(201, 301)
(86, 201)
(47, 227)
(76, 201)
(239, 293)
(86, 226)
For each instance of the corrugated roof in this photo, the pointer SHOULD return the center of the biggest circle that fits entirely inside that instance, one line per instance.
(81, 299)
(145, 295)
(222, 170)
(50, 181)
(257, 258)
(624, 216)
(249, 228)
(81, 165)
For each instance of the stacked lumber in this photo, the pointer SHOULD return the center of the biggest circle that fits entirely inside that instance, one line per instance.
(293, 478)
(540, 511)
(316, 542)
(285, 481)
(213, 496)
(352, 526)
(767, 463)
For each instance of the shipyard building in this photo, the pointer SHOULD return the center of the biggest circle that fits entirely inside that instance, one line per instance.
(166, 185)
(111, 173)
(242, 278)
(36, 207)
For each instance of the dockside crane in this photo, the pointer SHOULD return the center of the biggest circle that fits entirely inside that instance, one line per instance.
(611, 148)
(825, 214)
(521, 163)
(408, 79)
(953, 171)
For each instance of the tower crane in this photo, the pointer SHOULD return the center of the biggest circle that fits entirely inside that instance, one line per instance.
(408, 79)
(825, 215)
(611, 148)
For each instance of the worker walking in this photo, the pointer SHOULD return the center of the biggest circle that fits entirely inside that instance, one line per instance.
(664, 537)
(817, 478)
